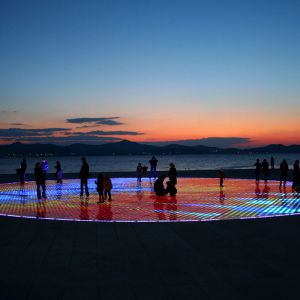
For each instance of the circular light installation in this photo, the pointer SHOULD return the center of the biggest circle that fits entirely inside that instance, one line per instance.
(198, 199)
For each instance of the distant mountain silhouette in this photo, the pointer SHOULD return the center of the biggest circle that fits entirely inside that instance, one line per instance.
(131, 148)
(276, 148)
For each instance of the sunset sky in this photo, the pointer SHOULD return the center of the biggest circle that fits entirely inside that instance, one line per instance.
(98, 71)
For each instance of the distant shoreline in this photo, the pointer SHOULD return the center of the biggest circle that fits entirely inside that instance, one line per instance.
(229, 173)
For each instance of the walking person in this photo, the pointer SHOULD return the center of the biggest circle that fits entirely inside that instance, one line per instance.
(45, 167)
(107, 186)
(99, 183)
(22, 171)
(172, 174)
(222, 177)
(139, 172)
(58, 173)
(272, 162)
(283, 172)
(84, 175)
(153, 164)
(40, 180)
(257, 170)
(265, 170)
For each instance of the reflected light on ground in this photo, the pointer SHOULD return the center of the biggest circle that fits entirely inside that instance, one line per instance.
(198, 199)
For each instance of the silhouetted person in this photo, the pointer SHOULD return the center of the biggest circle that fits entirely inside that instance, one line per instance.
(99, 183)
(22, 171)
(222, 177)
(172, 174)
(257, 170)
(272, 162)
(45, 167)
(159, 187)
(84, 175)
(153, 164)
(171, 189)
(107, 186)
(265, 169)
(139, 172)
(58, 172)
(40, 181)
(296, 176)
(283, 172)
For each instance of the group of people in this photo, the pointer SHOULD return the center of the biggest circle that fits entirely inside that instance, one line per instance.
(143, 169)
(263, 167)
(170, 188)
(159, 188)
(104, 184)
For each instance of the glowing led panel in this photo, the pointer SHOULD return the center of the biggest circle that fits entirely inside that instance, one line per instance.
(197, 199)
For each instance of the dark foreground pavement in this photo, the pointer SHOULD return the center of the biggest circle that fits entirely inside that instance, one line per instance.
(240, 259)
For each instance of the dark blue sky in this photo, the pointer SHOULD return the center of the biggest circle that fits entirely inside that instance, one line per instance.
(192, 59)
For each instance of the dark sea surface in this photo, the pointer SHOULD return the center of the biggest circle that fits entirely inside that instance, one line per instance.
(71, 164)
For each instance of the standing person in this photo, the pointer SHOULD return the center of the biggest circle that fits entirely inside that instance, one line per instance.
(171, 184)
(265, 170)
(84, 175)
(107, 186)
(58, 172)
(272, 161)
(222, 177)
(153, 164)
(172, 174)
(40, 180)
(99, 183)
(283, 172)
(22, 171)
(257, 170)
(139, 172)
(296, 175)
(45, 167)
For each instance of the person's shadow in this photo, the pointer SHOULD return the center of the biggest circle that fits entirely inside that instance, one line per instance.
(104, 211)
(41, 211)
(84, 211)
(222, 196)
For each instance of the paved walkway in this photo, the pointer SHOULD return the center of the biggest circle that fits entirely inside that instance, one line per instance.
(241, 259)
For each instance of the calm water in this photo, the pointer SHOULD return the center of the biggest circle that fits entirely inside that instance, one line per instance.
(128, 163)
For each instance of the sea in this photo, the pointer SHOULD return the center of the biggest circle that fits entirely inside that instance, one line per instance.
(72, 164)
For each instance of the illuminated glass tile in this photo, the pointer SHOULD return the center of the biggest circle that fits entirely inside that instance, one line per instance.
(198, 199)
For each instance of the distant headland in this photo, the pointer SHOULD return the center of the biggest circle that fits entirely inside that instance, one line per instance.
(126, 147)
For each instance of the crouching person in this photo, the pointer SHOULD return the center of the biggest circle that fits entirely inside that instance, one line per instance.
(159, 187)
(171, 189)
